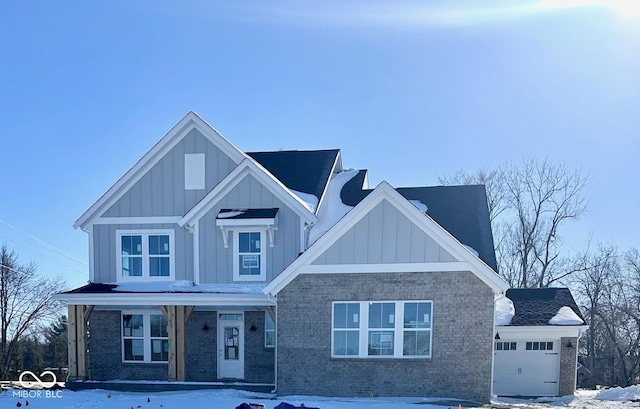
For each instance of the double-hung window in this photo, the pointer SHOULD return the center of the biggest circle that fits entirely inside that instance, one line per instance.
(249, 255)
(144, 338)
(146, 254)
(400, 329)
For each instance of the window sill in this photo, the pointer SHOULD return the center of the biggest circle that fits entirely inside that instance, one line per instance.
(380, 358)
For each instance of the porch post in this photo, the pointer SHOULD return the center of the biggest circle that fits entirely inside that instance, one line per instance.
(77, 320)
(176, 317)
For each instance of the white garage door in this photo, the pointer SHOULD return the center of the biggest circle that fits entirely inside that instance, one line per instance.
(526, 368)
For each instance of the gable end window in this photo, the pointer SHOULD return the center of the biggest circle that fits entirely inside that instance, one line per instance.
(145, 255)
(395, 329)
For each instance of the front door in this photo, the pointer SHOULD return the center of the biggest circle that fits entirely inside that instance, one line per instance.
(230, 346)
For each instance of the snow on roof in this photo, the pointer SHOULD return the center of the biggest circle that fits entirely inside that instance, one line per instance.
(421, 206)
(309, 199)
(504, 310)
(471, 249)
(566, 316)
(333, 209)
(186, 286)
(228, 214)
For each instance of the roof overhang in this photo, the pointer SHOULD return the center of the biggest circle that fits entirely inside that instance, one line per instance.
(147, 299)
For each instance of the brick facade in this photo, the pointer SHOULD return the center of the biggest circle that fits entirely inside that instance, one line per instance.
(568, 357)
(462, 337)
(105, 350)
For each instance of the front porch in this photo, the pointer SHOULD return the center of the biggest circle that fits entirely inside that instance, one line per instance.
(171, 347)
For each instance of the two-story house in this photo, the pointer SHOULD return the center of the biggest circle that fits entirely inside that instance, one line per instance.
(283, 270)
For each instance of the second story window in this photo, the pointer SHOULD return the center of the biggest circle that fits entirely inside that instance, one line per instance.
(145, 254)
(249, 257)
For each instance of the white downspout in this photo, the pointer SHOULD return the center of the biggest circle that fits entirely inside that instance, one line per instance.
(275, 351)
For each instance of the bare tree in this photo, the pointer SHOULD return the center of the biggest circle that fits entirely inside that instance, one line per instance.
(542, 196)
(25, 303)
(609, 293)
(528, 204)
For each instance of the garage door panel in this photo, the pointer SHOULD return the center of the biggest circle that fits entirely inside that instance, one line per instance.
(526, 372)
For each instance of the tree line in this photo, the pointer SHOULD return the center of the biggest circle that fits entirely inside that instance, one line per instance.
(530, 204)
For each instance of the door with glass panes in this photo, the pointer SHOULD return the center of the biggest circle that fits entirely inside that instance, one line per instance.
(230, 345)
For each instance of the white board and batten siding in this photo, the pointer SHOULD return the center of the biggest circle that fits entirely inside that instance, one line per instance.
(384, 235)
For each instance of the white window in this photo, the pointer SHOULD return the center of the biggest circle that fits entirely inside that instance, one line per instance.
(269, 331)
(194, 171)
(249, 261)
(147, 254)
(400, 329)
(144, 338)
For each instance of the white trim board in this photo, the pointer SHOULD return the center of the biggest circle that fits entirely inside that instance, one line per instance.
(508, 333)
(138, 220)
(190, 121)
(384, 191)
(155, 299)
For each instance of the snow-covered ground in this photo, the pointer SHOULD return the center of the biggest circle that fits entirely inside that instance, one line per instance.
(616, 398)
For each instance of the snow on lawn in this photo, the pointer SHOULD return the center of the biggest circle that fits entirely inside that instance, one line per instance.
(211, 399)
(616, 398)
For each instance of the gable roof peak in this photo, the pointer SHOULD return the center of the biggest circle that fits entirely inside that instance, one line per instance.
(179, 131)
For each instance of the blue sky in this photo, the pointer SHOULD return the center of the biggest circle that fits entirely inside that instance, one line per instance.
(410, 90)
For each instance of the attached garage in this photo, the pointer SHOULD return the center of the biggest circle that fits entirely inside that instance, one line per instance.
(526, 368)
(535, 346)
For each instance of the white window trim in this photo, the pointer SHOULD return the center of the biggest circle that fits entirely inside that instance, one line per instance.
(398, 331)
(236, 254)
(268, 316)
(194, 171)
(146, 327)
(145, 233)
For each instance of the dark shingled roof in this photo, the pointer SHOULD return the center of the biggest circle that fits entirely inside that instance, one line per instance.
(93, 288)
(461, 210)
(304, 171)
(536, 306)
(249, 214)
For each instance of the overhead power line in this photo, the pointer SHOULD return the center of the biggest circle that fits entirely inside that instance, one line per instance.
(44, 243)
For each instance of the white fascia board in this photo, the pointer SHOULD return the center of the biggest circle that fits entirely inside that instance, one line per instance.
(245, 168)
(154, 155)
(385, 191)
(540, 331)
(246, 222)
(385, 268)
(146, 299)
(138, 220)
